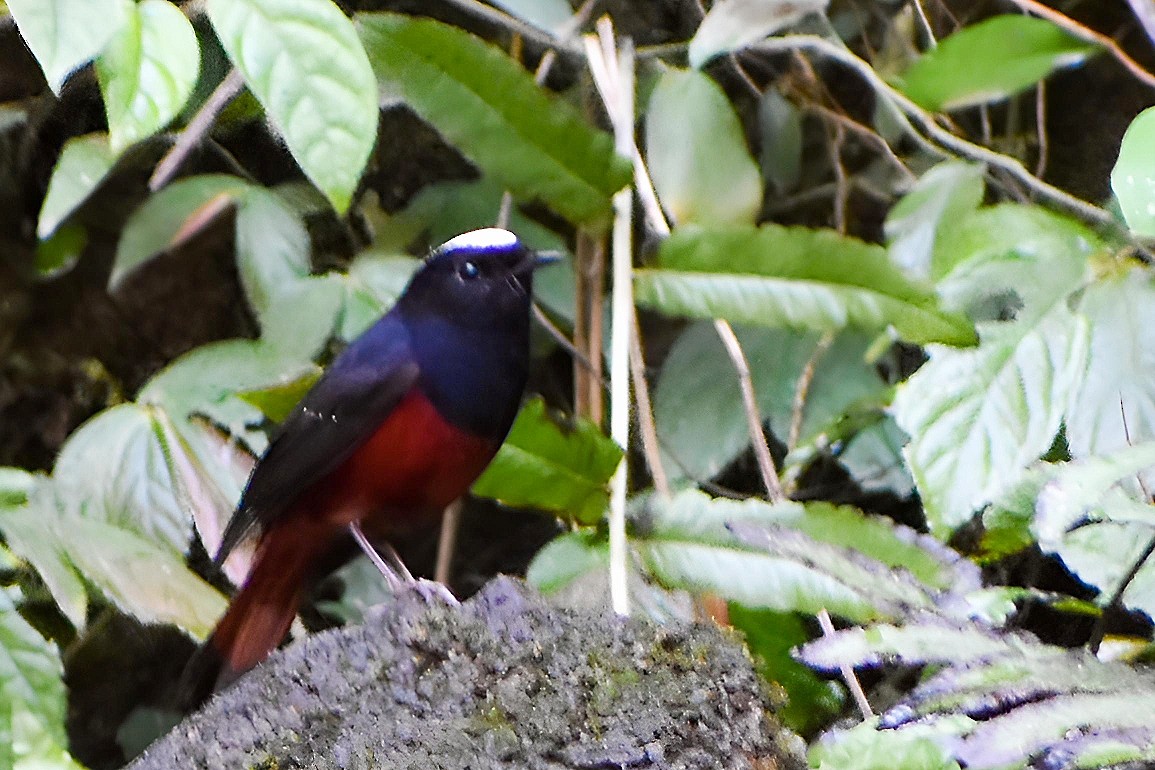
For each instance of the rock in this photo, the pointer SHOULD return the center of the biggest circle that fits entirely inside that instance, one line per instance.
(503, 681)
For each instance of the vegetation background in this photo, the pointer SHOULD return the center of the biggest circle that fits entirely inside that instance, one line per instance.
(861, 287)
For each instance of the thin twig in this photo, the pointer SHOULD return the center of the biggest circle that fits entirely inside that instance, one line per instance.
(843, 194)
(924, 22)
(514, 24)
(196, 130)
(1091, 36)
(847, 672)
(447, 542)
(1041, 128)
(595, 274)
(866, 133)
(948, 141)
(802, 389)
(646, 425)
(750, 404)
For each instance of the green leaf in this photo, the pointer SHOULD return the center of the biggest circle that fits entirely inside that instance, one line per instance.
(483, 102)
(549, 15)
(943, 194)
(32, 535)
(874, 458)
(978, 418)
(277, 401)
(372, 285)
(272, 249)
(61, 251)
(32, 689)
(810, 702)
(115, 468)
(696, 152)
(64, 35)
(147, 72)
(1133, 177)
(864, 747)
(144, 580)
(566, 558)
(83, 163)
(781, 133)
(556, 468)
(303, 61)
(1116, 405)
(777, 557)
(930, 641)
(698, 402)
(734, 24)
(794, 278)
(169, 217)
(991, 60)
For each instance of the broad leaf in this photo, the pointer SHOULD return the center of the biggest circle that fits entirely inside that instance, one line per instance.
(931, 641)
(696, 152)
(549, 15)
(698, 403)
(272, 249)
(33, 536)
(991, 60)
(1116, 405)
(64, 35)
(794, 278)
(115, 468)
(874, 458)
(147, 72)
(31, 689)
(734, 24)
(83, 163)
(943, 194)
(978, 418)
(564, 469)
(864, 747)
(483, 102)
(303, 61)
(169, 217)
(1133, 177)
(566, 558)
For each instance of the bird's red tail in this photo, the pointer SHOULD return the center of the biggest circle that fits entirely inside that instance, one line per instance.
(260, 614)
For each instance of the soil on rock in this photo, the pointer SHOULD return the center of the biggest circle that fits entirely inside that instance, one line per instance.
(503, 681)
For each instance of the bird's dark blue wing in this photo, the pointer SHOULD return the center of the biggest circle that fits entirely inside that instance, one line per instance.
(343, 409)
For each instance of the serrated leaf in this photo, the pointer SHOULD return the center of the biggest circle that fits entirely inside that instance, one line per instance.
(83, 163)
(114, 468)
(913, 645)
(696, 152)
(863, 747)
(991, 60)
(64, 35)
(1133, 176)
(144, 580)
(1116, 405)
(31, 684)
(147, 72)
(794, 278)
(545, 465)
(536, 145)
(734, 24)
(942, 195)
(30, 531)
(698, 403)
(169, 217)
(303, 61)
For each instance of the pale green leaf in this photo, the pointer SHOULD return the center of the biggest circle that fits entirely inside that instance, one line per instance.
(303, 61)
(549, 15)
(147, 72)
(696, 152)
(272, 248)
(942, 195)
(565, 558)
(64, 35)
(864, 747)
(978, 418)
(114, 468)
(991, 60)
(794, 278)
(31, 532)
(781, 128)
(144, 580)
(1116, 405)
(536, 145)
(169, 217)
(735, 24)
(564, 469)
(874, 458)
(1133, 177)
(303, 316)
(930, 641)
(698, 403)
(32, 686)
(83, 163)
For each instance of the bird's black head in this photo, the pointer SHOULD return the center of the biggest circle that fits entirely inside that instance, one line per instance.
(477, 278)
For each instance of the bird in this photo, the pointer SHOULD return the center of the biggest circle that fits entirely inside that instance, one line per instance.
(400, 425)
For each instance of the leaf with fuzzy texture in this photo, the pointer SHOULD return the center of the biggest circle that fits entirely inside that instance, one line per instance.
(793, 277)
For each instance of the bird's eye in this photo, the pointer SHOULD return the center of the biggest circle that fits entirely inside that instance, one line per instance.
(469, 270)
